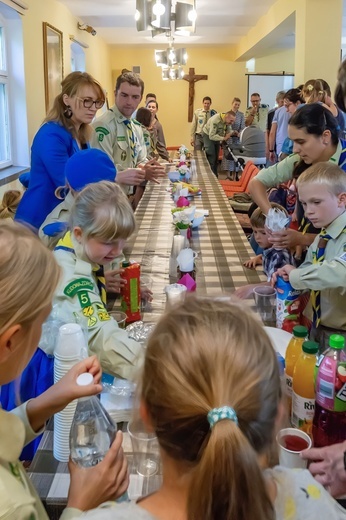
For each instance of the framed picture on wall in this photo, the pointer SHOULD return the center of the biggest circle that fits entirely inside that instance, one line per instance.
(53, 63)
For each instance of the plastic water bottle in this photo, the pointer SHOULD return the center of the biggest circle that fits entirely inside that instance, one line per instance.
(92, 431)
(329, 424)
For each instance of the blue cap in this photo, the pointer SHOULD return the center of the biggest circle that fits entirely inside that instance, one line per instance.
(89, 166)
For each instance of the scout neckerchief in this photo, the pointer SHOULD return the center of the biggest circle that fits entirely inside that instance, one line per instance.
(66, 244)
(318, 258)
(131, 135)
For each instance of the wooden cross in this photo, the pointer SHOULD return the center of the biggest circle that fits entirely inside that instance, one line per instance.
(191, 77)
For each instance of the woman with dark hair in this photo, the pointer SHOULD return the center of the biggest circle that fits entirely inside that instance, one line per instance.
(314, 132)
(65, 131)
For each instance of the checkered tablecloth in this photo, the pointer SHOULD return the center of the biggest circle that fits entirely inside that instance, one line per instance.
(220, 242)
(52, 480)
(222, 248)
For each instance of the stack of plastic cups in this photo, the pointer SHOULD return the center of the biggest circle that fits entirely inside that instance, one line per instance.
(177, 245)
(68, 351)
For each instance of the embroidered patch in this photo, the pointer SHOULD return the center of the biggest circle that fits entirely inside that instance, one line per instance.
(92, 322)
(123, 156)
(101, 131)
(88, 311)
(343, 257)
(84, 299)
(103, 316)
(76, 285)
(121, 138)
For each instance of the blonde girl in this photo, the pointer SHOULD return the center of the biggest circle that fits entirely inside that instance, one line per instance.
(211, 392)
(28, 278)
(100, 222)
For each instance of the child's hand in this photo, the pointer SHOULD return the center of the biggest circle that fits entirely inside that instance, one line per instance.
(244, 292)
(66, 390)
(146, 294)
(287, 238)
(284, 272)
(108, 480)
(251, 264)
(114, 282)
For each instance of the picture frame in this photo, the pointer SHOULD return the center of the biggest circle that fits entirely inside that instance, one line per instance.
(53, 63)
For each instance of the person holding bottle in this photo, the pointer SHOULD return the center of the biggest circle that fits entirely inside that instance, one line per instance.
(322, 192)
(24, 306)
(101, 220)
(210, 391)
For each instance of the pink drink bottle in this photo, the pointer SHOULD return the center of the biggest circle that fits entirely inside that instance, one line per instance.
(329, 423)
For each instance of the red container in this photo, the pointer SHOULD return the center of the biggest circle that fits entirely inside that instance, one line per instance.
(130, 292)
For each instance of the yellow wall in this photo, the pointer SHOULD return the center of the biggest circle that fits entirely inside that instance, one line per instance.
(276, 62)
(56, 14)
(226, 79)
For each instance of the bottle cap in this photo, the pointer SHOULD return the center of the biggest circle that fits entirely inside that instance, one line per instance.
(85, 379)
(310, 347)
(299, 331)
(337, 341)
(125, 263)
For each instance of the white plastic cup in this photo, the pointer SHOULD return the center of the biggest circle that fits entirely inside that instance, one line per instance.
(67, 353)
(290, 458)
(175, 293)
(70, 342)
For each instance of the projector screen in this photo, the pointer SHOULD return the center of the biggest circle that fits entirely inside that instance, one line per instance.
(267, 86)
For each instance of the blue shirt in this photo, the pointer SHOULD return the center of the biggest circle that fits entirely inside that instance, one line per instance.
(51, 148)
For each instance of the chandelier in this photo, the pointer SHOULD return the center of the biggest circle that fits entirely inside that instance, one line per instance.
(158, 17)
(171, 60)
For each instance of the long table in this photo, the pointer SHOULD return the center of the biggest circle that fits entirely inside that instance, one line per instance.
(222, 248)
(220, 242)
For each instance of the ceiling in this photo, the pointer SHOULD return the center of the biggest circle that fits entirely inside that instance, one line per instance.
(219, 22)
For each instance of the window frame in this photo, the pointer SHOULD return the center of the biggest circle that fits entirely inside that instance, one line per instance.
(5, 80)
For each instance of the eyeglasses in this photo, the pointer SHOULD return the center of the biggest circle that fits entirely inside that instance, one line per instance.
(287, 104)
(88, 102)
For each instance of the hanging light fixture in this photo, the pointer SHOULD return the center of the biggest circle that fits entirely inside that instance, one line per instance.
(171, 60)
(158, 16)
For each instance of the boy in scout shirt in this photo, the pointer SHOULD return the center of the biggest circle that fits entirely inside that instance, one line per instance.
(216, 130)
(121, 137)
(200, 117)
(322, 192)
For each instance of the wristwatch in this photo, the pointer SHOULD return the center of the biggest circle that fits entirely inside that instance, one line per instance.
(345, 460)
(272, 151)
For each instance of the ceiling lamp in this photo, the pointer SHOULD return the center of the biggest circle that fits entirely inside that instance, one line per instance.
(172, 73)
(158, 16)
(171, 60)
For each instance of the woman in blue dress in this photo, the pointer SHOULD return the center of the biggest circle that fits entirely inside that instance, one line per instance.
(64, 131)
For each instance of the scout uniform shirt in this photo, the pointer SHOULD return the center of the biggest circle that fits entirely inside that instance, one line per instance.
(114, 137)
(78, 295)
(216, 128)
(18, 497)
(329, 277)
(260, 118)
(200, 117)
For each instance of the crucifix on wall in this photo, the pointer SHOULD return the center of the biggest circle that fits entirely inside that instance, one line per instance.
(191, 77)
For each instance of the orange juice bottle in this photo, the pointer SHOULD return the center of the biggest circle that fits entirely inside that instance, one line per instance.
(303, 388)
(293, 352)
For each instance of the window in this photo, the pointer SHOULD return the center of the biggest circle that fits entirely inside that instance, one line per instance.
(5, 148)
(77, 58)
(14, 146)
